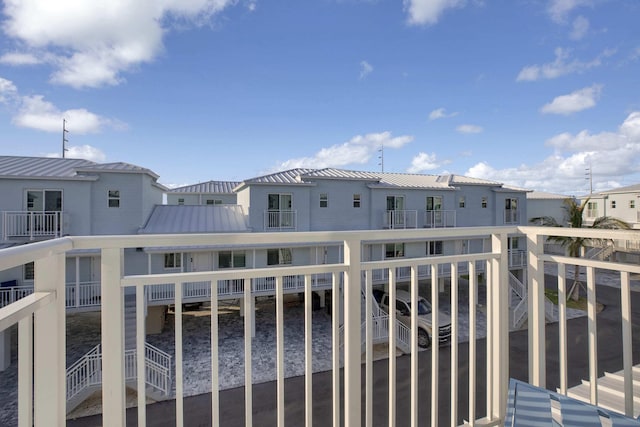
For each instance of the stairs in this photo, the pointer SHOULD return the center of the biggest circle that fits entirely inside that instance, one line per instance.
(84, 377)
(610, 391)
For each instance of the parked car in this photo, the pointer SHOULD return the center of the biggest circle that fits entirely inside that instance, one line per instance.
(403, 312)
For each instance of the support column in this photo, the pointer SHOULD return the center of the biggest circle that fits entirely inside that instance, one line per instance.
(5, 349)
(49, 343)
(352, 321)
(113, 390)
(535, 275)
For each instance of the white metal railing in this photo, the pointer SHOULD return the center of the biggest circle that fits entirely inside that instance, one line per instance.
(439, 218)
(77, 295)
(511, 216)
(400, 219)
(32, 225)
(517, 258)
(84, 373)
(42, 349)
(280, 220)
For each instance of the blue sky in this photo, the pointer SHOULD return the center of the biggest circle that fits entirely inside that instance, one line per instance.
(531, 93)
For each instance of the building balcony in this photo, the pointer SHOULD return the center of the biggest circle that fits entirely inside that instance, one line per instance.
(439, 218)
(25, 225)
(280, 220)
(400, 219)
(511, 216)
(429, 387)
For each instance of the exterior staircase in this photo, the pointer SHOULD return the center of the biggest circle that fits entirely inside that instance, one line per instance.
(84, 377)
(610, 391)
(519, 304)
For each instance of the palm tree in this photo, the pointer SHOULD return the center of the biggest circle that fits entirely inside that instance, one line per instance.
(575, 246)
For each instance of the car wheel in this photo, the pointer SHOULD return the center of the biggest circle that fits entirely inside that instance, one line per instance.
(424, 340)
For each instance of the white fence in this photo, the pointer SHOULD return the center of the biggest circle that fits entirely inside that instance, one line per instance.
(42, 387)
(31, 225)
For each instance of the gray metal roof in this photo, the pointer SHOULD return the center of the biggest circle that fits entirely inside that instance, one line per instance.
(541, 195)
(56, 167)
(628, 189)
(45, 167)
(170, 219)
(210, 187)
(377, 179)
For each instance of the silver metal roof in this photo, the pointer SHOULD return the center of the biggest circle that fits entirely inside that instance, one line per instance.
(541, 195)
(56, 167)
(210, 187)
(628, 189)
(169, 219)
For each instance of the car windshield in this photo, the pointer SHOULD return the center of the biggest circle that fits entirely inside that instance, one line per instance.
(423, 307)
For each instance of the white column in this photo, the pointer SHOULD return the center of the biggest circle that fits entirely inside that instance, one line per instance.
(535, 274)
(113, 391)
(352, 319)
(49, 344)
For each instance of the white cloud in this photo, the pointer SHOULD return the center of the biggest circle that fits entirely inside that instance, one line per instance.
(427, 12)
(612, 156)
(469, 129)
(576, 101)
(561, 66)
(8, 90)
(86, 152)
(580, 28)
(560, 9)
(423, 162)
(36, 113)
(365, 69)
(441, 113)
(358, 150)
(16, 58)
(90, 43)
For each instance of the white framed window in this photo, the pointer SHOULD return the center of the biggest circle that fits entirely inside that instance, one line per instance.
(395, 203)
(172, 260)
(356, 200)
(114, 198)
(44, 200)
(434, 247)
(280, 256)
(213, 202)
(613, 204)
(181, 201)
(394, 250)
(324, 200)
(461, 202)
(484, 202)
(232, 259)
(434, 203)
(632, 204)
(28, 271)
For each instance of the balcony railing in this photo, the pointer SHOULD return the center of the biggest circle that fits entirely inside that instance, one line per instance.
(511, 216)
(439, 218)
(32, 225)
(42, 347)
(279, 220)
(400, 219)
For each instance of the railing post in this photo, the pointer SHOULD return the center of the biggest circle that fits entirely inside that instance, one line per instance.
(499, 324)
(49, 343)
(352, 344)
(535, 275)
(113, 391)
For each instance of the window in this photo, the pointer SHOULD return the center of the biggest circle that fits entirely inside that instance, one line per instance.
(434, 203)
(29, 271)
(461, 202)
(434, 248)
(232, 259)
(213, 202)
(484, 202)
(279, 202)
(394, 250)
(395, 203)
(44, 200)
(613, 204)
(324, 200)
(279, 256)
(356, 200)
(114, 198)
(172, 260)
(632, 204)
(511, 204)
(181, 201)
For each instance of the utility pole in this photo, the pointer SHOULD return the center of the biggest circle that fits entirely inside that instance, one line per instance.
(589, 176)
(381, 157)
(64, 137)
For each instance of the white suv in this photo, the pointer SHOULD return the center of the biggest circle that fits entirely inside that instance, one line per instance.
(403, 312)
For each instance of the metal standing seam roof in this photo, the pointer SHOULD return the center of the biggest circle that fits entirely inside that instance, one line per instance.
(185, 219)
(56, 167)
(45, 167)
(211, 187)
(628, 189)
(541, 195)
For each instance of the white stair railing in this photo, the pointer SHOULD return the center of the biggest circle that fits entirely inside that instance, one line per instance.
(87, 371)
